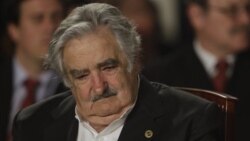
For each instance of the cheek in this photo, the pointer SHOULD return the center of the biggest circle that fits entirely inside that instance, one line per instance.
(81, 92)
(118, 80)
(223, 29)
(26, 35)
(121, 83)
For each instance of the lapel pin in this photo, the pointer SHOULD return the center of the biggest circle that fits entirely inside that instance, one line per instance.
(148, 134)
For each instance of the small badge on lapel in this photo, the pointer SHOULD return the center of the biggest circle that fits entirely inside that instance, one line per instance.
(148, 134)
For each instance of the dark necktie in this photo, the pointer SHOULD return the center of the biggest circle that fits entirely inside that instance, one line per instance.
(31, 86)
(220, 79)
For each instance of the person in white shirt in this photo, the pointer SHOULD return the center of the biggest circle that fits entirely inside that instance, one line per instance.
(97, 52)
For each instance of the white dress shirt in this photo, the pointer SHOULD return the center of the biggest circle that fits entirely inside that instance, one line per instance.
(110, 133)
(209, 60)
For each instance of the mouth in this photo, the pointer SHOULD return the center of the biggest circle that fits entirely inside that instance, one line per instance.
(241, 29)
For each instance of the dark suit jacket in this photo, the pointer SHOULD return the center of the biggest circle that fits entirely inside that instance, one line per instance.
(6, 91)
(185, 69)
(172, 115)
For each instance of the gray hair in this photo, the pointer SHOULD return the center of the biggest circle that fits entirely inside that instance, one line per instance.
(85, 19)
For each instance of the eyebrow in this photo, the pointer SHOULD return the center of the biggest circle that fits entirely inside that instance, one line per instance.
(107, 62)
(77, 73)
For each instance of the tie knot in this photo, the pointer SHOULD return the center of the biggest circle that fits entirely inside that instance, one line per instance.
(222, 65)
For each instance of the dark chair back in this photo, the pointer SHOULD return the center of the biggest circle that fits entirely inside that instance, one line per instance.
(225, 102)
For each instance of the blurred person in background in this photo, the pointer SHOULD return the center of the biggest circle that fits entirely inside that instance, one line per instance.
(30, 25)
(218, 59)
(145, 15)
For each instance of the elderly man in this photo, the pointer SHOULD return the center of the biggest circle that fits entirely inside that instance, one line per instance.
(96, 50)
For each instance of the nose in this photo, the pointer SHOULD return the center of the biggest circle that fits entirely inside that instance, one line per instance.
(98, 83)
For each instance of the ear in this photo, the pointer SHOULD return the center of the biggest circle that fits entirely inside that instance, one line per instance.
(196, 16)
(13, 32)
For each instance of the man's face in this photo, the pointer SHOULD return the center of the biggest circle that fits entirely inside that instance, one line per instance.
(225, 24)
(97, 70)
(38, 20)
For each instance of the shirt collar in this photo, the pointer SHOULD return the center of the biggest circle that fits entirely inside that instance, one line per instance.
(20, 75)
(209, 60)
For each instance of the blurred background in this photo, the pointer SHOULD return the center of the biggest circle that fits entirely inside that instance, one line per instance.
(171, 53)
(172, 21)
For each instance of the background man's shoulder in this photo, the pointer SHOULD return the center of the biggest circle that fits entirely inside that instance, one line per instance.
(46, 107)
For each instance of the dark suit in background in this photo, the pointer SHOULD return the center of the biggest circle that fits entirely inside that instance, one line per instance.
(170, 114)
(185, 69)
(26, 42)
(6, 93)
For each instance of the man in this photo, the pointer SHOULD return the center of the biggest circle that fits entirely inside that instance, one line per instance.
(96, 50)
(218, 58)
(31, 24)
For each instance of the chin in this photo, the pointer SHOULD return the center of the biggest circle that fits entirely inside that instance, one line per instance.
(239, 45)
(238, 49)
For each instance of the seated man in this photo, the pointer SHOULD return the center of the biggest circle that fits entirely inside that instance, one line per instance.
(96, 50)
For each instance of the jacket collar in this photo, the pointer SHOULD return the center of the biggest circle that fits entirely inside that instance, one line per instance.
(65, 107)
(143, 118)
(64, 126)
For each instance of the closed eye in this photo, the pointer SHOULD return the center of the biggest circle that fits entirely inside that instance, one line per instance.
(79, 74)
(80, 77)
(109, 68)
(109, 65)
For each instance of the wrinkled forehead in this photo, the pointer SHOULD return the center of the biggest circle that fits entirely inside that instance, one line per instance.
(99, 41)
(94, 50)
(104, 34)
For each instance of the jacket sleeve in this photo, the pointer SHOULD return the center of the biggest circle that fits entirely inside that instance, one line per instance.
(208, 125)
(16, 132)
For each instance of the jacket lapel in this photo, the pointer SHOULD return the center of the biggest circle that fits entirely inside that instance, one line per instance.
(193, 64)
(64, 126)
(141, 124)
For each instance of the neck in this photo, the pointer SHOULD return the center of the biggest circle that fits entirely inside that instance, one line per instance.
(98, 128)
(99, 123)
(218, 51)
(33, 66)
